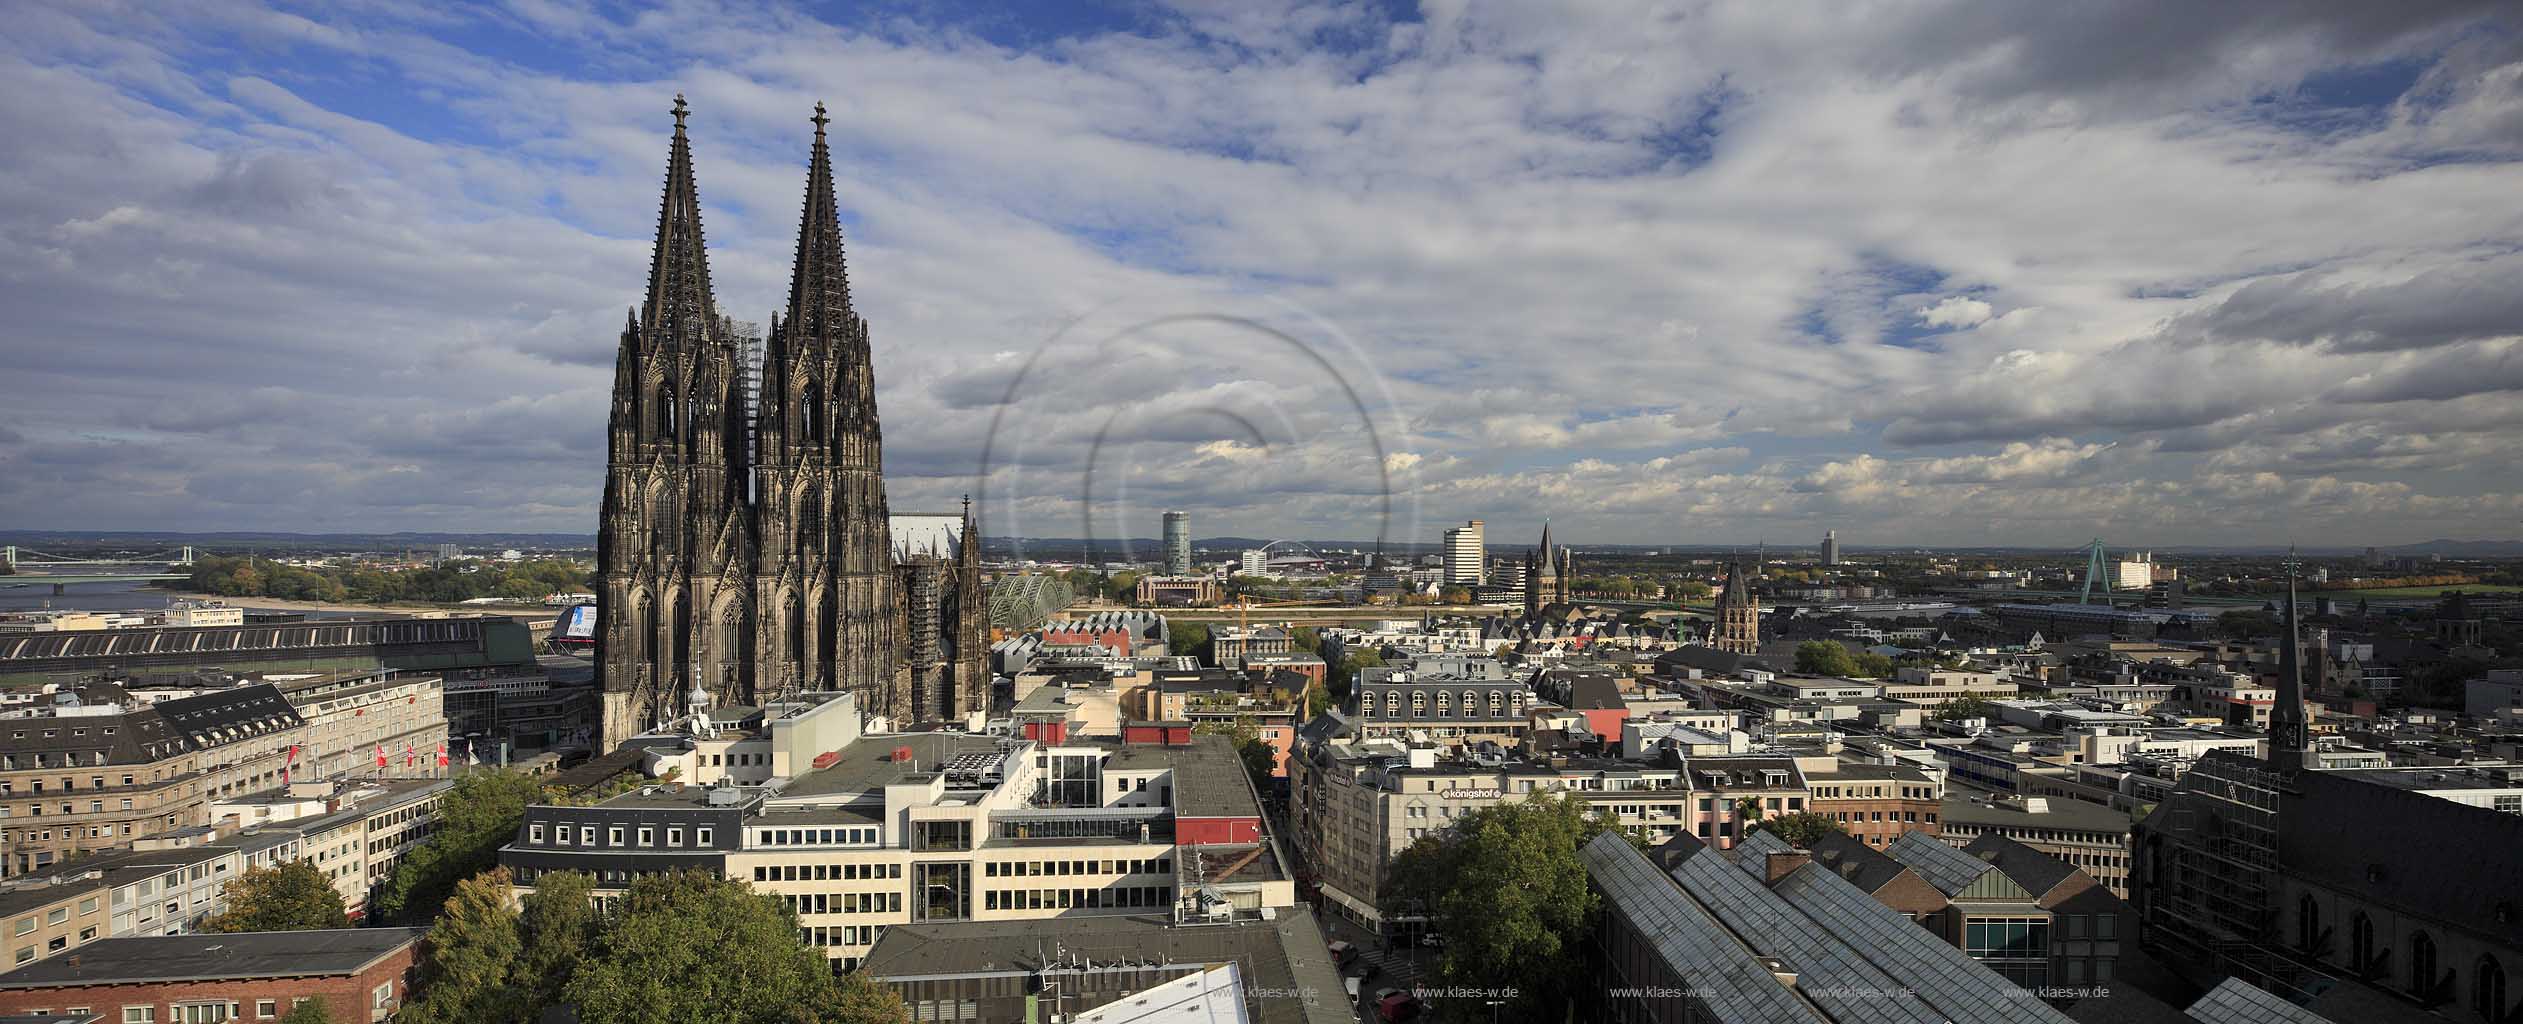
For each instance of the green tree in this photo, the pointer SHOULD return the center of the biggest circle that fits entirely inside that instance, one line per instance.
(1344, 676)
(859, 999)
(1825, 658)
(694, 946)
(474, 970)
(560, 924)
(1306, 639)
(1190, 638)
(1960, 708)
(2246, 623)
(290, 898)
(1801, 829)
(1123, 587)
(312, 1011)
(475, 818)
(1507, 889)
(1870, 665)
(1318, 699)
(1259, 757)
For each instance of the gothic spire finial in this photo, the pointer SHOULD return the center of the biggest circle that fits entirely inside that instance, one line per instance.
(680, 310)
(819, 286)
(680, 112)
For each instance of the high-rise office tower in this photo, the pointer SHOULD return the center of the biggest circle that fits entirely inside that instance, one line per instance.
(1466, 554)
(1178, 543)
(1830, 547)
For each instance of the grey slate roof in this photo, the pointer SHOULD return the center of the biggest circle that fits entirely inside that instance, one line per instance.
(1863, 866)
(2236, 1001)
(1948, 869)
(1724, 974)
(2036, 871)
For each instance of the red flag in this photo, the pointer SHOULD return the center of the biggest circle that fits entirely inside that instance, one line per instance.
(381, 755)
(293, 752)
(442, 755)
(408, 754)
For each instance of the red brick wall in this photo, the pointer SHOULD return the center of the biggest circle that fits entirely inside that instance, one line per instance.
(347, 995)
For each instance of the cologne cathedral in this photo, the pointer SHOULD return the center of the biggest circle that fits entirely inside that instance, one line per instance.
(746, 554)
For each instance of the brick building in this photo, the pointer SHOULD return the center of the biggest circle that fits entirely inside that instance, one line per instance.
(1878, 802)
(362, 974)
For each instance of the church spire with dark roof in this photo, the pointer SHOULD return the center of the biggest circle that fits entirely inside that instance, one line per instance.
(2290, 738)
(680, 305)
(819, 285)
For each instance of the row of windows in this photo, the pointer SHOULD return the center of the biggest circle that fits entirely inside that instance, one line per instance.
(702, 836)
(67, 784)
(824, 872)
(1844, 792)
(37, 810)
(1031, 868)
(1854, 817)
(1498, 704)
(1077, 899)
(841, 934)
(855, 836)
(843, 902)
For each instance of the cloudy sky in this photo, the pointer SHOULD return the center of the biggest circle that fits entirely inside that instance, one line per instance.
(1956, 272)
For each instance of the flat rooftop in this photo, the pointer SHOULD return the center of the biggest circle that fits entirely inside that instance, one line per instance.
(2061, 813)
(1287, 970)
(173, 958)
(867, 763)
(2426, 779)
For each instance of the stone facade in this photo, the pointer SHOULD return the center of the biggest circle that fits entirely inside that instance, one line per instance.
(1548, 572)
(745, 571)
(1738, 627)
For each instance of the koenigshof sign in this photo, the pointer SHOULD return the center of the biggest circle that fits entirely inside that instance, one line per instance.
(1469, 794)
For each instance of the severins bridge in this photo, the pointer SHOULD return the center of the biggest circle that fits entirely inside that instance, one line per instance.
(47, 567)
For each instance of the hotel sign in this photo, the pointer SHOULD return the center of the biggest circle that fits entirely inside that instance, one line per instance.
(1469, 794)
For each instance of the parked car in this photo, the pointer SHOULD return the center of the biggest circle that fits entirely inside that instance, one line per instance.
(1343, 953)
(1393, 1006)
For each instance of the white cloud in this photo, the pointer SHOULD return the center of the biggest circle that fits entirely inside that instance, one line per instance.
(1646, 274)
(1956, 311)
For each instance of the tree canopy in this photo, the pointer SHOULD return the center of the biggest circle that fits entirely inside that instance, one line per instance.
(478, 815)
(1507, 889)
(310, 1012)
(1960, 708)
(1344, 676)
(449, 582)
(292, 897)
(684, 947)
(1825, 658)
(1190, 638)
(1801, 829)
(472, 971)
(693, 946)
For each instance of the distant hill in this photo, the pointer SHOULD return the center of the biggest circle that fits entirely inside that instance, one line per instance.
(240, 540)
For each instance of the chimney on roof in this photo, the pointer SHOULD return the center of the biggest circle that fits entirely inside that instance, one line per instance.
(1783, 863)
